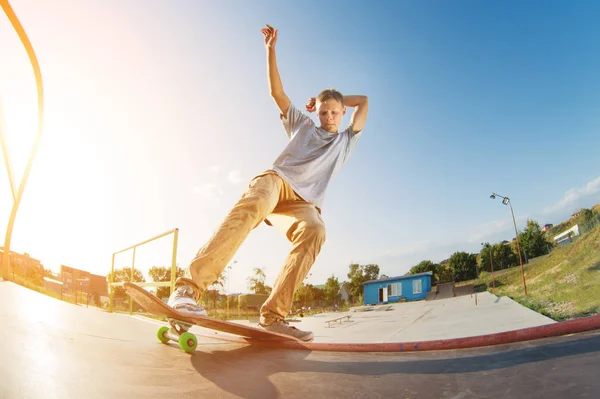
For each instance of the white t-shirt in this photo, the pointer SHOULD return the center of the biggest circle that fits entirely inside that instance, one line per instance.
(313, 155)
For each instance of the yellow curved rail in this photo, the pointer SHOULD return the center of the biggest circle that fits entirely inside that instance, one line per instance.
(6, 154)
(40, 97)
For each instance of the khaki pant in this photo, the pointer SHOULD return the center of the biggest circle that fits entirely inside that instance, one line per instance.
(267, 195)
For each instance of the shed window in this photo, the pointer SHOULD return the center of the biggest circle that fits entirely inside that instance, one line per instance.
(417, 286)
(395, 289)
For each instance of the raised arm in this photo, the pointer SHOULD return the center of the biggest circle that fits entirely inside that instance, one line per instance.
(275, 85)
(361, 108)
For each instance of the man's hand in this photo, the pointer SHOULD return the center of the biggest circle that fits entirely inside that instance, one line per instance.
(270, 34)
(311, 105)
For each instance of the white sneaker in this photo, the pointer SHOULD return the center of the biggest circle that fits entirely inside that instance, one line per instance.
(182, 299)
(283, 327)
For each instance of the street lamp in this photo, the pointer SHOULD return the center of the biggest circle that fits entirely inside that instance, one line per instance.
(506, 201)
(492, 264)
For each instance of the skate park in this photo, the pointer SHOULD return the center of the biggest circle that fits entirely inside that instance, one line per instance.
(56, 349)
(477, 345)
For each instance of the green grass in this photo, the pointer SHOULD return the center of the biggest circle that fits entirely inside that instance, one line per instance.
(563, 285)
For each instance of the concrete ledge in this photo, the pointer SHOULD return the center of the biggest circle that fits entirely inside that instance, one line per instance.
(527, 334)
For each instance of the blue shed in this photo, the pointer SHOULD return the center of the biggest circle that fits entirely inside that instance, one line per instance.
(390, 289)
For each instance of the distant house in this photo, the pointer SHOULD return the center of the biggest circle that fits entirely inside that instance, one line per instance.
(23, 264)
(547, 227)
(412, 287)
(76, 281)
(343, 293)
(566, 237)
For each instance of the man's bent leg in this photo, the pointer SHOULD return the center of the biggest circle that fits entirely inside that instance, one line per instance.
(261, 197)
(256, 203)
(307, 234)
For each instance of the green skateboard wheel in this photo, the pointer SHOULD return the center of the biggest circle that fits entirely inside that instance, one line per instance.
(188, 342)
(161, 334)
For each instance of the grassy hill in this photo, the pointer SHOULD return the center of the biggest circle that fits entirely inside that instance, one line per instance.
(562, 285)
(567, 224)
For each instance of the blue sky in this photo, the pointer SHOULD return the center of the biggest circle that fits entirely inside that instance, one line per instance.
(158, 114)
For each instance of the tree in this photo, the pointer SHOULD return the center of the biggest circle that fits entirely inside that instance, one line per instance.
(505, 255)
(332, 288)
(426, 266)
(533, 241)
(584, 217)
(587, 219)
(463, 266)
(34, 274)
(256, 283)
(217, 286)
(304, 295)
(220, 281)
(123, 275)
(318, 294)
(444, 272)
(360, 274)
(485, 260)
(163, 274)
(371, 272)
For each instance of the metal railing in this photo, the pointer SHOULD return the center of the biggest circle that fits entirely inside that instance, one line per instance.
(171, 283)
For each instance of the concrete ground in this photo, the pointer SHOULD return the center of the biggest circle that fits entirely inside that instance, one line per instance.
(422, 321)
(53, 349)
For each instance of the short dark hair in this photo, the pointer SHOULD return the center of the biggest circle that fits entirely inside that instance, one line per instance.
(329, 94)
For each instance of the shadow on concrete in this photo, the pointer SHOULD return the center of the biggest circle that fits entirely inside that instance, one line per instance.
(248, 371)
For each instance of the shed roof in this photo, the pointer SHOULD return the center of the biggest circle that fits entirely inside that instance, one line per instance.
(408, 276)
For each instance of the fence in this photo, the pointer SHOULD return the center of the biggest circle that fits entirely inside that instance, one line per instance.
(171, 283)
(590, 224)
(577, 231)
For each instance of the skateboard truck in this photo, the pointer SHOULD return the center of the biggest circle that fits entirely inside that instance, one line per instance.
(178, 332)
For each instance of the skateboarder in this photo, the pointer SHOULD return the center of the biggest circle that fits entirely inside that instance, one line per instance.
(292, 190)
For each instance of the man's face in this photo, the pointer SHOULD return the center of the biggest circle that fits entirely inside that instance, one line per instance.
(330, 114)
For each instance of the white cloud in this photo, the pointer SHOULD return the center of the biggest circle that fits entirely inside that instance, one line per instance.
(571, 199)
(214, 168)
(489, 229)
(492, 229)
(235, 176)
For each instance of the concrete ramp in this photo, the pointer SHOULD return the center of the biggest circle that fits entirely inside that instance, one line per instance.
(52, 349)
(450, 290)
(445, 291)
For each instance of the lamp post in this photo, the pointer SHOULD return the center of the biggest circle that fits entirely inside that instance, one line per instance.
(492, 264)
(506, 201)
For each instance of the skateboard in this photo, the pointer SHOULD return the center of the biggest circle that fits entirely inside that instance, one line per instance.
(179, 324)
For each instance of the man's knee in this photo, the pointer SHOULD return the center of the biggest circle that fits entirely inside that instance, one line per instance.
(313, 230)
(318, 231)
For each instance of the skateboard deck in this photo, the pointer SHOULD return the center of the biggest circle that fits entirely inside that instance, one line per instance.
(180, 323)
